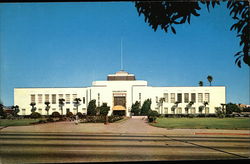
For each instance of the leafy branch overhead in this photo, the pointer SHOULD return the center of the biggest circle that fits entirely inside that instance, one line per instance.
(167, 14)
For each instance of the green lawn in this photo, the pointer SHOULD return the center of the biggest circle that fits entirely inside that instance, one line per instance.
(203, 123)
(21, 122)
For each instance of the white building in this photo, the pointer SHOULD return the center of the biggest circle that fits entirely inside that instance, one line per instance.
(120, 91)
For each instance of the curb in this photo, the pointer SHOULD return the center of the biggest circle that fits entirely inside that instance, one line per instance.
(222, 134)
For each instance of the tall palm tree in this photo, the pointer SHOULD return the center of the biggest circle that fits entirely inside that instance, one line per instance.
(210, 79)
(47, 107)
(77, 103)
(61, 104)
(200, 83)
(33, 108)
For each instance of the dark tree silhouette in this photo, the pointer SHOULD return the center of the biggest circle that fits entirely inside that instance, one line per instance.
(166, 14)
(33, 108)
(210, 79)
(47, 107)
(77, 103)
(61, 104)
(200, 83)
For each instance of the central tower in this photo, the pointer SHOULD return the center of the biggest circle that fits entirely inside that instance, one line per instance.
(121, 76)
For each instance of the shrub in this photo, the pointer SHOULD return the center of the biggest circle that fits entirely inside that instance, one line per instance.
(62, 119)
(55, 114)
(79, 114)
(50, 119)
(152, 115)
(114, 118)
(35, 115)
(69, 114)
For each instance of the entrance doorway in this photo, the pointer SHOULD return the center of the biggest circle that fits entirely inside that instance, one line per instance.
(119, 107)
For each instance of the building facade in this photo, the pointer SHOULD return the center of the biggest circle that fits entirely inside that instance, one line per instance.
(120, 91)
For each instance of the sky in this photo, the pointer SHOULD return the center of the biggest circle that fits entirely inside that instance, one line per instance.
(72, 44)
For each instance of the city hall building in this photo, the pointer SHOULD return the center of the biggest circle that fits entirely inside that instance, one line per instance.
(120, 91)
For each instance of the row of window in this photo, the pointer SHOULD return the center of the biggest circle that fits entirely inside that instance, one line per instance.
(53, 97)
(180, 110)
(187, 97)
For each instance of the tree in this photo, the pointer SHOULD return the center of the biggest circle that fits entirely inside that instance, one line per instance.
(167, 14)
(104, 109)
(77, 103)
(2, 113)
(16, 110)
(91, 110)
(152, 115)
(136, 108)
(33, 108)
(202, 107)
(219, 112)
(200, 83)
(230, 108)
(61, 104)
(210, 79)
(47, 107)
(146, 107)
(189, 105)
(175, 106)
(160, 104)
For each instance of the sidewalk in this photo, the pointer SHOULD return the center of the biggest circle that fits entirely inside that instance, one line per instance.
(130, 126)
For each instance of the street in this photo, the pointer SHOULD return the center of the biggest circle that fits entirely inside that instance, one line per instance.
(37, 147)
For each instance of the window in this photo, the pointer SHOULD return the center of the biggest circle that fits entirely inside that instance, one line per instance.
(207, 97)
(179, 110)
(179, 97)
(46, 98)
(165, 110)
(83, 100)
(98, 103)
(207, 110)
(193, 110)
(32, 98)
(53, 99)
(83, 109)
(200, 98)
(40, 110)
(23, 112)
(53, 109)
(74, 96)
(165, 95)
(157, 109)
(67, 99)
(172, 98)
(40, 99)
(60, 96)
(193, 98)
(186, 98)
(140, 97)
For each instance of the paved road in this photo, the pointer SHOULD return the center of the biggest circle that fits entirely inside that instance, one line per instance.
(116, 142)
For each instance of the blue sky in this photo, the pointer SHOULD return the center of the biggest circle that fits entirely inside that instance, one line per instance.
(73, 44)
